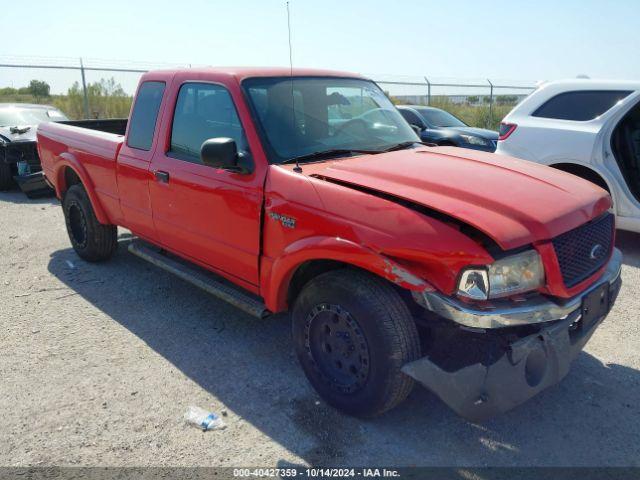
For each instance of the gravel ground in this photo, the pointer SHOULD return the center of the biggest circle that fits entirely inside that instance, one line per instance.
(98, 363)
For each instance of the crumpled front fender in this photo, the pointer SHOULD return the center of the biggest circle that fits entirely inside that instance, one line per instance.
(276, 275)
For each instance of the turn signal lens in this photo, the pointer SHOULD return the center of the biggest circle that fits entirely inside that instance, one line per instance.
(474, 284)
(508, 276)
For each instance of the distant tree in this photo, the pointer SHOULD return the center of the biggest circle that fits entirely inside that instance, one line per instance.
(506, 99)
(39, 89)
(107, 99)
(473, 99)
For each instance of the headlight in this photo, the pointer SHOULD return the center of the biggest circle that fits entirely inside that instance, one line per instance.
(511, 275)
(471, 140)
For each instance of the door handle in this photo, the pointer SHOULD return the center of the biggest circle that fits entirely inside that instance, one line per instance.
(162, 176)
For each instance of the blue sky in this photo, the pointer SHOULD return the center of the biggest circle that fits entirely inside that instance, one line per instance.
(533, 40)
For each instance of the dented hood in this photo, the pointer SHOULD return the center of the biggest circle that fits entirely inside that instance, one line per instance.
(512, 201)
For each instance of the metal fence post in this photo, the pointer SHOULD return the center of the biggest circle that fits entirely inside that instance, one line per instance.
(428, 90)
(490, 102)
(84, 91)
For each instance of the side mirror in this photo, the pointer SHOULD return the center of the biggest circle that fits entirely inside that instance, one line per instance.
(416, 128)
(221, 152)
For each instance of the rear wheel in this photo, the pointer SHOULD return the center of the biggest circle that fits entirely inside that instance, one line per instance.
(6, 176)
(91, 240)
(353, 333)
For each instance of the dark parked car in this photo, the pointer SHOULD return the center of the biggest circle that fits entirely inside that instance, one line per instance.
(442, 128)
(19, 160)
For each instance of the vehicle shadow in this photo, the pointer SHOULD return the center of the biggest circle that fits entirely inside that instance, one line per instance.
(629, 244)
(18, 197)
(249, 365)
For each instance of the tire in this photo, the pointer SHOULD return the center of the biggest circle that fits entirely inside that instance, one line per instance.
(352, 334)
(6, 176)
(92, 241)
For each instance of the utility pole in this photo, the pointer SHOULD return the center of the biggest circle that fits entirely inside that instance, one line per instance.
(490, 101)
(84, 91)
(428, 90)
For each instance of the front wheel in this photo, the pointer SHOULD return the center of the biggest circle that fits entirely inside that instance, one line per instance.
(352, 334)
(91, 240)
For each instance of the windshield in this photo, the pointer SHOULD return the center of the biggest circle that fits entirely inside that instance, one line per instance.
(14, 116)
(307, 115)
(440, 118)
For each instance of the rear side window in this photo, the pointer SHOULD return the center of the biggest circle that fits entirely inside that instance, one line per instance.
(580, 106)
(144, 115)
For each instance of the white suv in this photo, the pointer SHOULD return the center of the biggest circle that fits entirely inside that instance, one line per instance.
(589, 128)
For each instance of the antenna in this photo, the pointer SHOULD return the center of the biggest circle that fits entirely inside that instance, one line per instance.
(290, 49)
(297, 168)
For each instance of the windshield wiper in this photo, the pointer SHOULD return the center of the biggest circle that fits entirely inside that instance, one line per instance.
(403, 145)
(350, 151)
(326, 154)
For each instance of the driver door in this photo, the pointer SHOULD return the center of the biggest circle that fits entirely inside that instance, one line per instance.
(209, 215)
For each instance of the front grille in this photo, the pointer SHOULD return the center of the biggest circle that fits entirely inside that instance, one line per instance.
(584, 250)
(22, 151)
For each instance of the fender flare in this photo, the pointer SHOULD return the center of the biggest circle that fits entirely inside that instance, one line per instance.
(68, 160)
(277, 279)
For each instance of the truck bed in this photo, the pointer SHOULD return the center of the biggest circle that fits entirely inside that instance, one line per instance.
(109, 125)
(31, 181)
(89, 151)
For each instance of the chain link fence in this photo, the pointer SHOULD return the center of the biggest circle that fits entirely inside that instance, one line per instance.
(479, 102)
(99, 88)
(82, 88)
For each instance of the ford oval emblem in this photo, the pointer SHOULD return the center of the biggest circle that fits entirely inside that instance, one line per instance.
(597, 252)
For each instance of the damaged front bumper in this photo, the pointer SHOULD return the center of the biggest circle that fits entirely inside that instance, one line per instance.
(507, 313)
(29, 175)
(504, 367)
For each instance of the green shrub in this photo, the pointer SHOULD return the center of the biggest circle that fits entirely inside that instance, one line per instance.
(107, 99)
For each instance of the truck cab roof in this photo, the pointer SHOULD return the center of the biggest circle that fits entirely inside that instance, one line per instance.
(240, 73)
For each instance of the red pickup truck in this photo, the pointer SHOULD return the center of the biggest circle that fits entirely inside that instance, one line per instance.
(480, 276)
